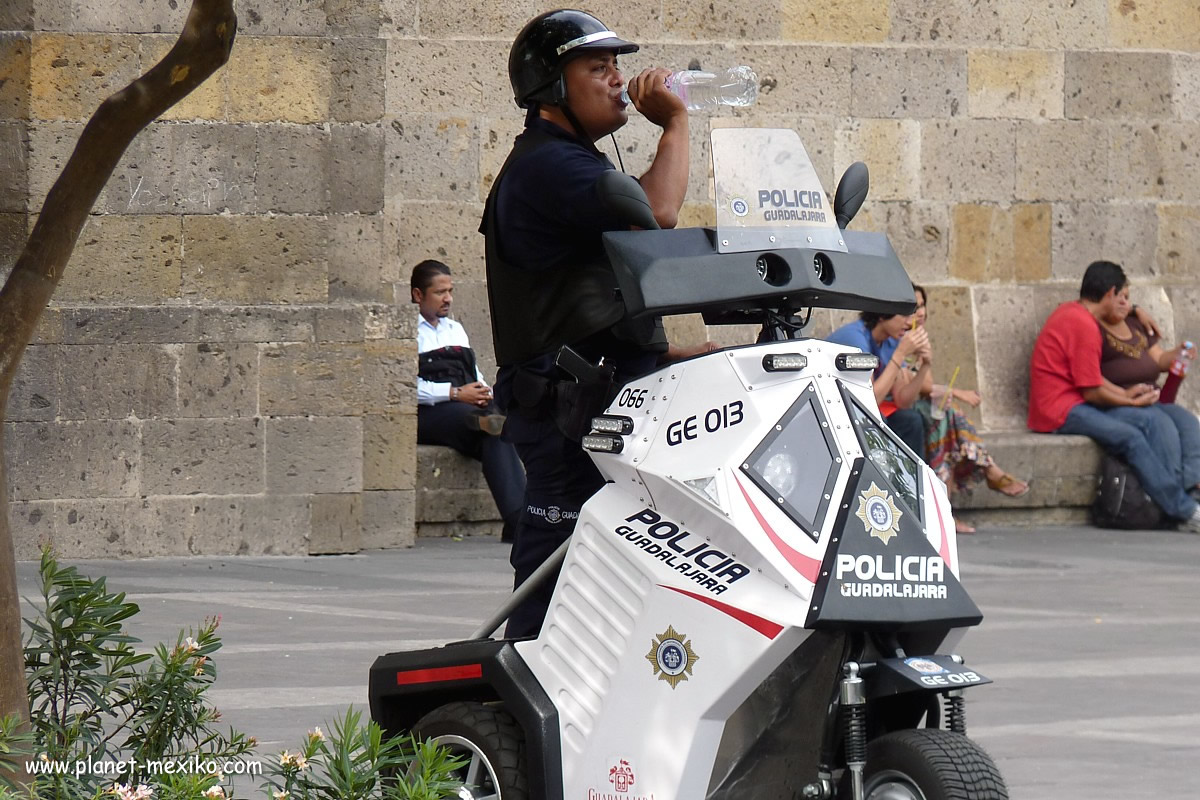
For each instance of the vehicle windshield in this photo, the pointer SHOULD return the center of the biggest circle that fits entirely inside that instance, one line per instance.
(768, 194)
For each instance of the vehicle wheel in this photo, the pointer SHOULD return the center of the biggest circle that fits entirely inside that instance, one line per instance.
(930, 764)
(490, 741)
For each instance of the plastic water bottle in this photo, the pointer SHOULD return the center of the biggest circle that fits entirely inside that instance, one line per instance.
(1178, 369)
(704, 91)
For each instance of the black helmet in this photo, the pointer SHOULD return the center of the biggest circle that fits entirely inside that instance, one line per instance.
(546, 43)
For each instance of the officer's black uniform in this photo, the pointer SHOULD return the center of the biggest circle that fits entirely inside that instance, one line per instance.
(550, 284)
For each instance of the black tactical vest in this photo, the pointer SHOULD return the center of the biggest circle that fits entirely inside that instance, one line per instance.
(536, 312)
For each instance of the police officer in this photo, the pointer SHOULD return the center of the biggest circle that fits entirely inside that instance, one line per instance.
(549, 281)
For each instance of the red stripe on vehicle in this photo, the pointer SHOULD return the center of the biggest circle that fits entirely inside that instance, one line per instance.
(808, 567)
(437, 674)
(766, 627)
(944, 545)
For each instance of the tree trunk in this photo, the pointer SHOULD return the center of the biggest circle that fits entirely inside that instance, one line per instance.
(202, 49)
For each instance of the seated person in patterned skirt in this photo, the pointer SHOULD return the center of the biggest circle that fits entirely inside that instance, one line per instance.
(952, 447)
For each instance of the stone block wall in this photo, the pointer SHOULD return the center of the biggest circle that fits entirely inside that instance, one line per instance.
(228, 364)
(223, 369)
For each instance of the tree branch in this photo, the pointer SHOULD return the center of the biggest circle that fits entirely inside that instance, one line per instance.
(202, 49)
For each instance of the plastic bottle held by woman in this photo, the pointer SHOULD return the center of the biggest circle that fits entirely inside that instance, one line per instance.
(704, 91)
(1175, 374)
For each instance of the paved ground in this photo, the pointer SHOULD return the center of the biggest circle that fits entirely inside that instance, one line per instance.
(1091, 636)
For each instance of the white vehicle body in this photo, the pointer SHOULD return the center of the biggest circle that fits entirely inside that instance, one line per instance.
(683, 546)
(762, 602)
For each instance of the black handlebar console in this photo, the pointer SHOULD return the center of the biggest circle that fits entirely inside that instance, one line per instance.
(681, 272)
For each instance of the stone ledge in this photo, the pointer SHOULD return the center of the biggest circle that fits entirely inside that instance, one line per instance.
(1062, 472)
(459, 529)
(452, 495)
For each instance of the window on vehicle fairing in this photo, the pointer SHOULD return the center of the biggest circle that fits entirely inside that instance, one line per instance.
(795, 464)
(897, 463)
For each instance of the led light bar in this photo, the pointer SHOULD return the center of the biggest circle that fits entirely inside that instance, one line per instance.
(856, 362)
(610, 423)
(784, 362)
(603, 443)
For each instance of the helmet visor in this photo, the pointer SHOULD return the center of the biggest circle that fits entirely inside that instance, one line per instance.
(600, 40)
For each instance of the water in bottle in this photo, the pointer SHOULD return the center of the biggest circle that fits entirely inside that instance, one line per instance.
(704, 91)
(1175, 374)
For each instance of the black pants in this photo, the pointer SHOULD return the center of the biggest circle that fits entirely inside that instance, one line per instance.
(449, 424)
(560, 477)
(908, 424)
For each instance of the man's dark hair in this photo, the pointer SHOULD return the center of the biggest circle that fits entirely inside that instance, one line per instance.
(424, 273)
(1099, 277)
(872, 318)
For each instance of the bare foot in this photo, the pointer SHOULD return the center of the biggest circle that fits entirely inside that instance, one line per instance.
(963, 527)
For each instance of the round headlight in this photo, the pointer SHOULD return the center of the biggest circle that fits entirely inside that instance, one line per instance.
(780, 473)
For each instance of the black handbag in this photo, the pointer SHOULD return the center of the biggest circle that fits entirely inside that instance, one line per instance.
(1121, 502)
(453, 364)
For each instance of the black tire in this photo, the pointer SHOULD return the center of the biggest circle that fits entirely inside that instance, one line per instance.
(930, 764)
(491, 741)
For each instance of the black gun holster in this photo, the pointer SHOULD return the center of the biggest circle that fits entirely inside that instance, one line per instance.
(570, 402)
(576, 403)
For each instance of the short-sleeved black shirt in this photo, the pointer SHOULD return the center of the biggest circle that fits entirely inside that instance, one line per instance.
(549, 216)
(547, 210)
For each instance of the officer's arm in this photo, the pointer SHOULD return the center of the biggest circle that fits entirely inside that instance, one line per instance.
(665, 183)
(676, 353)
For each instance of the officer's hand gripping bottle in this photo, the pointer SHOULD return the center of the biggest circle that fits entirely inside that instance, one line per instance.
(704, 91)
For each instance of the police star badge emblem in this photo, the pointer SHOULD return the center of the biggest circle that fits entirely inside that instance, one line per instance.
(879, 514)
(672, 655)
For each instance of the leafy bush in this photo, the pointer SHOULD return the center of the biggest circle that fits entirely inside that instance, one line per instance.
(15, 745)
(94, 699)
(356, 763)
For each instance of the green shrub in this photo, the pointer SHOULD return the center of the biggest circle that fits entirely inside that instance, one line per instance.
(15, 747)
(95, 700)
(356, 762)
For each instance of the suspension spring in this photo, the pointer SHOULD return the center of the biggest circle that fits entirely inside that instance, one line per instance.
(855, 733)
(853, 698)
(956, 711)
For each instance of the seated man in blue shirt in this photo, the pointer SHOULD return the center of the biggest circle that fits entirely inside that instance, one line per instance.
(894, 340)
(454, 403)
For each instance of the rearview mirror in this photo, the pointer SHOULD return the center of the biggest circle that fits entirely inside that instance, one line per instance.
(851, 192)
